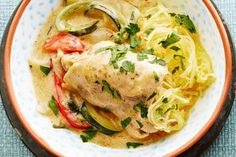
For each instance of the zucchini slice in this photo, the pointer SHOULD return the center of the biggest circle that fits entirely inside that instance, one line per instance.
(63, 26)
(116, 18)
(102, 124)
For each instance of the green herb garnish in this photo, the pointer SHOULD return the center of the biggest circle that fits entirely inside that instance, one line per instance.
(117, 54)
(103, 49)
(171, 39)
(143, 109)
(173, 107)
(148, 31)
(186, 22)
(175, 48)
(133, 144)
(73, 107)
(158, 61)
(175, 70)
(132, 29)
(151, 96)
(132, 16)
(53, 106)
(45, 70)
(58, 126)
(127, 66)
(165, 100)
(89, 134)
(142, 56)
(106, 86)
(156, 77)
(134, 42)
(139, 123)
(125, 122)
(181, 60)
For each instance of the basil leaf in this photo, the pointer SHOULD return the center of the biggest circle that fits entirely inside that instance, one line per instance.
(127, 66)
(125, 122)
(45, 70)
(53, 106)
(133, 144)
(171, 39)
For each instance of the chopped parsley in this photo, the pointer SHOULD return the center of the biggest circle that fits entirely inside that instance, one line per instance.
(172, 14)
(143, 109)
(103, 49)
(151, 96)
(133, 144)
(175, 70)
(132, 29)
(148, 51)
(127, 66)
(165, 100)
(142, 56)
(125, 122)
(171, 39)
(72, 106)
(173, 107)
(134, 42)
(58, 126)
(186, 22)
(117, 54)
(45, 70)
(89, 134)
(156, 77)
(148, 31)
(181, 60)
(158, 61)
(160, 111)
(175, 48)
(53, 106)
(139, 124)
(132, 16)
(148, 17)
(106, 86)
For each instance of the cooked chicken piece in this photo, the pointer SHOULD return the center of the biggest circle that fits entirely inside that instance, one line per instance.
(109, 86)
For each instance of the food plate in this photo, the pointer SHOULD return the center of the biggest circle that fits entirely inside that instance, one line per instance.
(18, 79)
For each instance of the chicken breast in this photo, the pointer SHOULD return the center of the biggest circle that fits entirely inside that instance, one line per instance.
(113, 77)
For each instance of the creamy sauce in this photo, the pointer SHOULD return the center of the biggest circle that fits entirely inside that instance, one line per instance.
(44, 86)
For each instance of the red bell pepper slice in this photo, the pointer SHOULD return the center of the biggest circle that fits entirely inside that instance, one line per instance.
(64, 41)
(66, 113)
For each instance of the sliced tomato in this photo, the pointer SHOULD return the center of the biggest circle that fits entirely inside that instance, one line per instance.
(65, 42)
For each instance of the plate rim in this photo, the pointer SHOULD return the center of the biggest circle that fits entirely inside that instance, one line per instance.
(228, 49)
